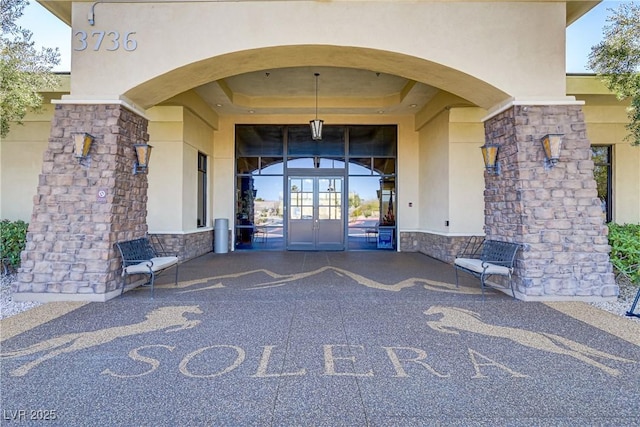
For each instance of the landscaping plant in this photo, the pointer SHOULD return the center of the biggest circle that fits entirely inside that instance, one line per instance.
(13, 235)
(625, 250)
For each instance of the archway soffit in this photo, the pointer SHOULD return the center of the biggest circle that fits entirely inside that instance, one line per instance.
(214, 69)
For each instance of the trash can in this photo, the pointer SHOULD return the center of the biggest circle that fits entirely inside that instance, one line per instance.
(221, 236)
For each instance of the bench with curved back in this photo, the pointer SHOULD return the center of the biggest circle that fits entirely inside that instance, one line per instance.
(140, 257)
(493, 257)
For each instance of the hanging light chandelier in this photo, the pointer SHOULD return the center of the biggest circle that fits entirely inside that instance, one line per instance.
(316, 125)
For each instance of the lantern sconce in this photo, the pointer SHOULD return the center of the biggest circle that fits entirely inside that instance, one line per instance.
(551, 144)
(81, 146)
(490, 156)
(143, 152)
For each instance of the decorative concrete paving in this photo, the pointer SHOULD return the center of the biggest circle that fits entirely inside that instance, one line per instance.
(336, 339)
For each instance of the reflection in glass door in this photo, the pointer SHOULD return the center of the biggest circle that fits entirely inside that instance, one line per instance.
(315, 213)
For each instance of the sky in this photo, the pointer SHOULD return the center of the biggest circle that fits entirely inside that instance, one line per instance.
(49, 31)
(587, 32)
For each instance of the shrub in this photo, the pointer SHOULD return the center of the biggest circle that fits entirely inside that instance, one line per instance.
(13, 235)
(625, 250)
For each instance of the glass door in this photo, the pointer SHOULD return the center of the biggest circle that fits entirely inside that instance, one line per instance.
(315, 213)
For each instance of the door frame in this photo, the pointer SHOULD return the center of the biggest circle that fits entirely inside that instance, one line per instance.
(315, 174)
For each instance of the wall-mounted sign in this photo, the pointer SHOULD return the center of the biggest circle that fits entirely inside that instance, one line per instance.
(110, 40)
(102, 196)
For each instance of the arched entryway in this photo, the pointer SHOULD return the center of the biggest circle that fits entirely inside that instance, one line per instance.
(512, 211)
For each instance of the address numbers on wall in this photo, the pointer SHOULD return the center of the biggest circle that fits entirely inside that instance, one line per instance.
(104, 40)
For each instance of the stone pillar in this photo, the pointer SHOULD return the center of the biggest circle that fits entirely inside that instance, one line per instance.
(82, 209)
(554, 212)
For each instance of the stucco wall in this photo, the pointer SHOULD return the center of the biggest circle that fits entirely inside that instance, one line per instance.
(198, 138)
(466, 171)
(626, 184)
(408, 170)
(223, 173)
(189, 188)
(606, 126)
(21, 162)
(451, 45)
(177, 136)
(434, 174)
(197, 133)
(451, 172)
(164, 212)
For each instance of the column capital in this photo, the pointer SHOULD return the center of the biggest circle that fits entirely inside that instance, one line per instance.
(123, 102)
(533, 101)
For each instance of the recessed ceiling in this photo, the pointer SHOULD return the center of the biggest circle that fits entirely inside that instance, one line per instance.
(292, 91)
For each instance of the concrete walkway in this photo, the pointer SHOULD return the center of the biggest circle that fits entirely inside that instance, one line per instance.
(314, 339)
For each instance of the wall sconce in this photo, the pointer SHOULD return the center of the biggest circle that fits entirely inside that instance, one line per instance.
(316, 125)
(143, 152)
(490, 156)
(551, 144)
(81, 145)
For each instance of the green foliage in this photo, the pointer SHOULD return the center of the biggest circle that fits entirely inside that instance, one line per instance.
(617, 60)
(23, 70)
(354, 200)
(12, 240)
(625, 250)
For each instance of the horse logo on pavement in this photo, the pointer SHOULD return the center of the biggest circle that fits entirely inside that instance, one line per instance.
(169, 319)
(454, 320)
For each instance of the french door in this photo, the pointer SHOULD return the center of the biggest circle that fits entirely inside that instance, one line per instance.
(315, 212)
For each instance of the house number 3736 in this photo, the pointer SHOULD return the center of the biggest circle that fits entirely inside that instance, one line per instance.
(104, 40)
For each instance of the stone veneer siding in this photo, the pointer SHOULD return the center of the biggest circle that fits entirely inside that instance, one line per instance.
(555, 213)
(444, 248)
(69, 248)
(187, 246)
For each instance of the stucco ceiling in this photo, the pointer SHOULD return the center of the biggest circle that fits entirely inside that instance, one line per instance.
(292, 91)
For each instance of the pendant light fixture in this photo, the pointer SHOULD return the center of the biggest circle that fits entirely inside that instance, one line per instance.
(316, 125)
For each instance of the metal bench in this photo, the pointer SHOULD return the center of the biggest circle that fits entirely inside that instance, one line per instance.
(628, 273)
(492, 258)
(632, 310)
(140, 257)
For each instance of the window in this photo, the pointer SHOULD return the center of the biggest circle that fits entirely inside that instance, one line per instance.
(202, 190)
(267, 154)
(601, 155)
